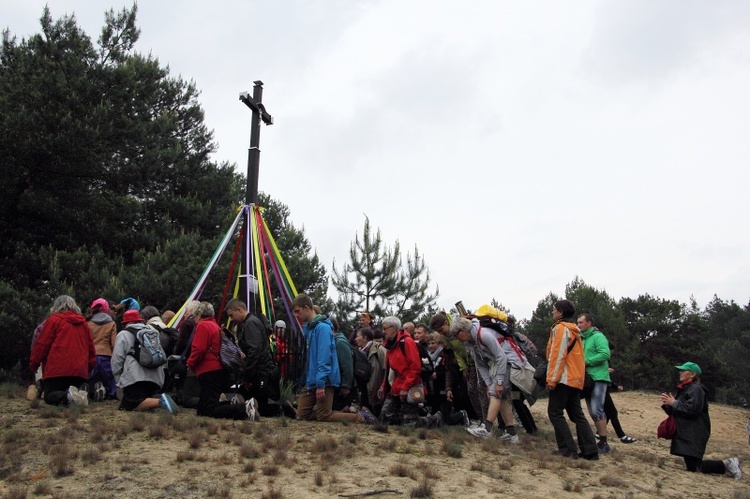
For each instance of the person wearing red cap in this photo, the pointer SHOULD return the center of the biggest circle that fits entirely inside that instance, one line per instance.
(103, 331)
(140, 385)
(65, 349)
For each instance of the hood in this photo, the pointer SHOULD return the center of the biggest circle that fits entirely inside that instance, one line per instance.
(573, 328)
(389, 344)
(72, 317)
(156, 321)
(101, 318)
(588, 333)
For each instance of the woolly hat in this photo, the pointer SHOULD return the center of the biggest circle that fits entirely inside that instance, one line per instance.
(131, 316)
(280, 324)
(102, 304)
(130, 304)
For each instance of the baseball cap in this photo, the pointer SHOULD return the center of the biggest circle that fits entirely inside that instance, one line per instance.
(690, 366)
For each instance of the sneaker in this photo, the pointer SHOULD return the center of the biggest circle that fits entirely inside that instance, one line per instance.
(367, 417)
(251, 408)
(474, 423)
(77, 397)
(479, 432)
(604, 448)
(168, 403)
(507, 437)
(464, 418)
(99, 392)
(237, 399)
(733, 468)
(627, 440)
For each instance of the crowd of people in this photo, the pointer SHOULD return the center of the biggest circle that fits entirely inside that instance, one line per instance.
(471, 370)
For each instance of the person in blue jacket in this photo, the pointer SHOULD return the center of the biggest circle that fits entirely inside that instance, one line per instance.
(323, 376)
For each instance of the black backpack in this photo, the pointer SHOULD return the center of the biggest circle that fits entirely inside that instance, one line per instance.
(362, 367)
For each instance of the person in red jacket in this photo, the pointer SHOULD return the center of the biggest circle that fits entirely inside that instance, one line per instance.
(65, 349)
(403, 360)
(212, 377)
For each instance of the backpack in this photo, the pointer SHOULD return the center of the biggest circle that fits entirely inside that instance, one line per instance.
(362, 367)
(425, 360)
(230, 355)
(147, 349)
(168, 337)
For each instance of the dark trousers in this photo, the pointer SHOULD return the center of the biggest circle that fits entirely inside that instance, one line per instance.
(213, 385)
(103, 372)
(396, 411)
(340, 402)
(56, 389)
(708, 466)
(610, 411)
(525, 416)
(568, 399)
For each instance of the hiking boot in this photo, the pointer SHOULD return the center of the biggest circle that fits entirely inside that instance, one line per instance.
(237, 399)
(479, 432)
(251, 408)
(99, 392)
(507, 437)
(604, 448)
(464, 418)
(627, 440)
(168, 403)
(733, 468)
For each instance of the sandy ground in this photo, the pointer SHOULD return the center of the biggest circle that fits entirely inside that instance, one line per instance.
(102, 452)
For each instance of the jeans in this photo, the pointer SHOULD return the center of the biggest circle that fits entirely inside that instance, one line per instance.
(595, 400)
(568, 399)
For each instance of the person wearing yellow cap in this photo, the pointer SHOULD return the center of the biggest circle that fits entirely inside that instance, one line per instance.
(689, 406)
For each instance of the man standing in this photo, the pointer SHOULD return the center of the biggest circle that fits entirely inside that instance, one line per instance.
(260, 380)
(323, 376)
(596, 354)
(565, 373)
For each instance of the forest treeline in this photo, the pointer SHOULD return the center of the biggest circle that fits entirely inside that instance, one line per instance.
(652, 335)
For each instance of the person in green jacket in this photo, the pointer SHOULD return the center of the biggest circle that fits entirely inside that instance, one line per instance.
(596, 354)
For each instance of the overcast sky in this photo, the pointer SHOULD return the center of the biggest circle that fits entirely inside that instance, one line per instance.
(517, 144)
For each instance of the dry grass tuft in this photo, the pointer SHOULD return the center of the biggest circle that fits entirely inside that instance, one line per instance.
(380, 427)
(158, 431)
(42, 488)
(270, 469)
(185, 455)
(325, 443)
(221, 491)
(402, 470)
(249, 451)
(272, 494)
(61, 460)
(196, 438)
(569, 486)
(280, 457)
(225, 459)
(249, 467)
(91, 455)
(424, 489)
(138, 421)
(612, 481)
(16, 492)
(318, 479)
(452, 449)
